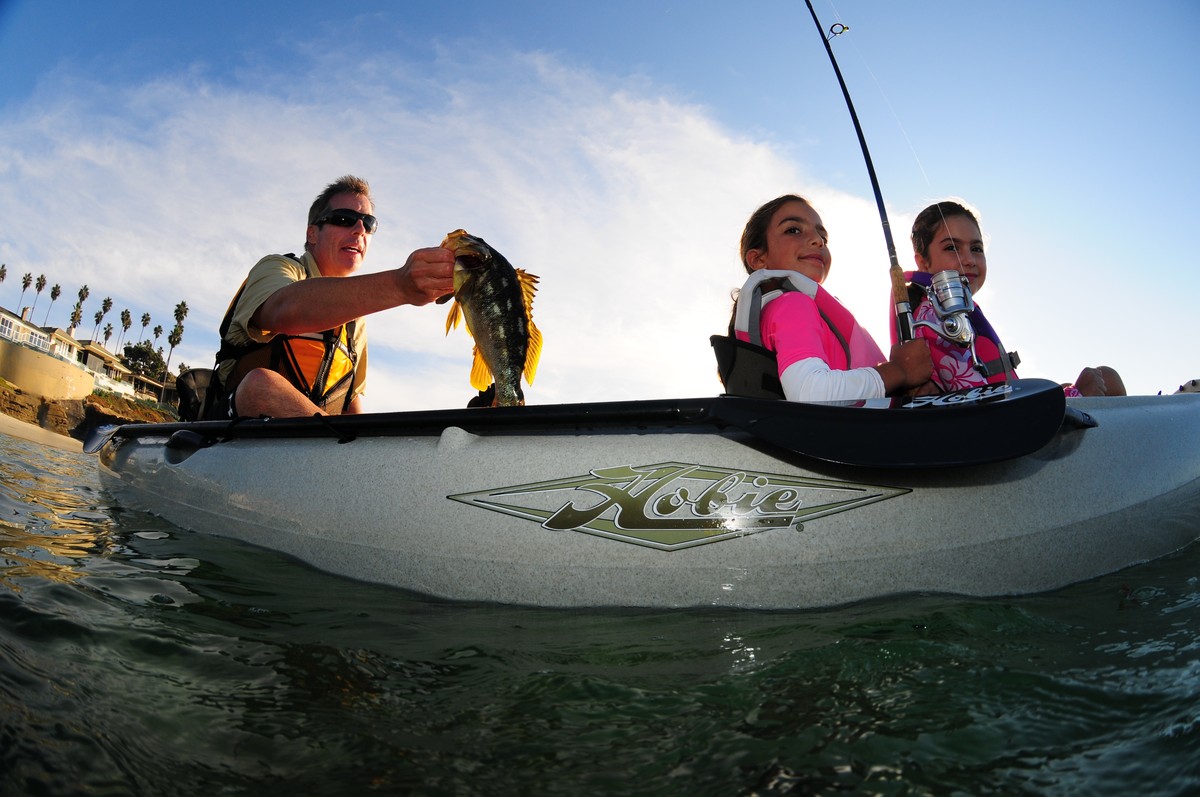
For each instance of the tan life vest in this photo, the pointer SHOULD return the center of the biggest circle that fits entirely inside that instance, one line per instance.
(321, 365)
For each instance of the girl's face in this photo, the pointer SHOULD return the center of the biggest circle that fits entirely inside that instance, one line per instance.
(957, 246)
(796, 241)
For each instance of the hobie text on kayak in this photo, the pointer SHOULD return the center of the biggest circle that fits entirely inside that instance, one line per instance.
(975, 394)
(676, 505)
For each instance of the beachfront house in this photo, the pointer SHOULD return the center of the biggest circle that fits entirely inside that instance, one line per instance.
(50, 362)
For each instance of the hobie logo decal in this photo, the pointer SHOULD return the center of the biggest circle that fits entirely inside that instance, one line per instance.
(975, 394)
(674, 505)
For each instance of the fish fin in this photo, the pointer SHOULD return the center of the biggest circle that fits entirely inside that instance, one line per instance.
(533, 352)
(481, 375)
(455, 314)
(528, 284)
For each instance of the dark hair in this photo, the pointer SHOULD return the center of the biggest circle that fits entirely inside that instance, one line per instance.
(754, 235)
(343, 185)
(928, 220)
(348, 184)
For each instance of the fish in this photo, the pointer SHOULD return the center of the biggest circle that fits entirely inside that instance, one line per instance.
(496, 300)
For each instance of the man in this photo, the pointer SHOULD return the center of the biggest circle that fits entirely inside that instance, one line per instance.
(293, 342)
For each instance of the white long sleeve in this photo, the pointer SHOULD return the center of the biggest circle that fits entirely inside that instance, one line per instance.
(812, 379)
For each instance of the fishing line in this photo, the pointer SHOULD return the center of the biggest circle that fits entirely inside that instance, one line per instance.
(891, 109)
(836, 30)
(904, 319)
(951, 307)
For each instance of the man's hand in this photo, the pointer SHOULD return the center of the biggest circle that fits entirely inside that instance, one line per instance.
(427, 275)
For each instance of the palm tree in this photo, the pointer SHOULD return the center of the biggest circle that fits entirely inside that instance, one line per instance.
(157, 332)
(126, 323)
(145, 323)
(40, 285)
(76, 318)
(26, 281)
(174, 339)
(83, 295)
(105, 306)
(108, 332)
(3, 271)
(55, 292)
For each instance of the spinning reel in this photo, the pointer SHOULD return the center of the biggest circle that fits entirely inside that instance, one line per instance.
(950, 296)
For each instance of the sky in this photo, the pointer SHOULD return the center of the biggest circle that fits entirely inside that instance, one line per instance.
(155, 151)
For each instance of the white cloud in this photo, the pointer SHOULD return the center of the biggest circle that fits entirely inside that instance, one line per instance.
(626, 203)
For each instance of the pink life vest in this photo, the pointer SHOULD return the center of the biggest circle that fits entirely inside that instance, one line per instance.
(860, 348)
(952, 367)
(747, 368)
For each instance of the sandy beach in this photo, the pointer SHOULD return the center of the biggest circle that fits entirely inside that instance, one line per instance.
(28, 431)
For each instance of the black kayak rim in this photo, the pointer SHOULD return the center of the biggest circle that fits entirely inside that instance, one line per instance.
(974, 426)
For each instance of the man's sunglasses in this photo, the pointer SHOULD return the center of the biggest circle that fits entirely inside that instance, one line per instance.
(348, 218)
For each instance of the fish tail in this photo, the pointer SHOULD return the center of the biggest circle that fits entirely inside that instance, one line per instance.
(509, 396)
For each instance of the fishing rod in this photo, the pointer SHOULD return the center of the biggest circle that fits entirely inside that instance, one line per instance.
(904, 317)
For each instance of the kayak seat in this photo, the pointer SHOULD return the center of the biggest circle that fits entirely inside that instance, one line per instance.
(192, 388)
(746, 369)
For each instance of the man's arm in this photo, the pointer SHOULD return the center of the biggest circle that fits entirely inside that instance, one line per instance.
(317, 304)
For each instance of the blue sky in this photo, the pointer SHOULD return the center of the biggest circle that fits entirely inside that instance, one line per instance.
(155, 151)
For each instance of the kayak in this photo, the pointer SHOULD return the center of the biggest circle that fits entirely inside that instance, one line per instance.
(719, 501)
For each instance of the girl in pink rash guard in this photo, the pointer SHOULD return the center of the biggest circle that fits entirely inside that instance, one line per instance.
(821, 352)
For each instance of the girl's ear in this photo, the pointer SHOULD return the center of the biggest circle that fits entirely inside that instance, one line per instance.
(755, 257)
(922, 263)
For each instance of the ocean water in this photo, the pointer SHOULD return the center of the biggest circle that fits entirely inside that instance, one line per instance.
(140, 659)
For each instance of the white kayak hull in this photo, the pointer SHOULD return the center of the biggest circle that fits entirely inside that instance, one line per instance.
(685, 516)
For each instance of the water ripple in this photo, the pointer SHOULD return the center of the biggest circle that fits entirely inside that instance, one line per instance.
(136, 658)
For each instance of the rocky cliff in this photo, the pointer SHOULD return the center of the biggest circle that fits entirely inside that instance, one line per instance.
(75, 418)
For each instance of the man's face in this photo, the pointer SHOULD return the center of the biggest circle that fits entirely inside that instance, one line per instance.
(339, 251)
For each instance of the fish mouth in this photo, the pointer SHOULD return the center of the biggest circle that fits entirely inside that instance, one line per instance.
(469, 262)
(470, 253)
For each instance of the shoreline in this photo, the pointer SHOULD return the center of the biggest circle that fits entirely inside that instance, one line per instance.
(66, 423)
(33, 433)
